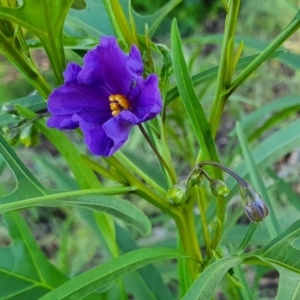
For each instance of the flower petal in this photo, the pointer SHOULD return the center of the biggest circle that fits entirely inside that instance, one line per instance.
(118, 130)
(74, 98)
(145, 100)
(111, 61)
(95, 138)
(92, 116)
(62, 122)
(135, 63)
(71, 72)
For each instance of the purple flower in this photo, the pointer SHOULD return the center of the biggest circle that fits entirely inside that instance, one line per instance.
(106, 97)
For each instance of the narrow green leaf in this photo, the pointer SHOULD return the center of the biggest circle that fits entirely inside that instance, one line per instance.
(92, 280)
(25, 268)
(154, 20)
(207, 282)
(83, 174)
(192, 105)
(281, 250)
(258, 117)
(91, 199)
(285, 188)
(85, 177)
(271, 222)
(120, 22)
(27, 184)
(45, 19)
(87, 23)
(148, 279)
(212, 74)
(288, 285)
(287, 58)
(271, 150)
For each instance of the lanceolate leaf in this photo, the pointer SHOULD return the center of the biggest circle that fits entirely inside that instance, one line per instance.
(91, 199)
(27, 184)
(191, 103)
(98, 277)
(289, 284)
(212, 74)
(154, 20)
(25, 272)
(283, 254)
(271, 149)
(45, 19)
(148, 283)
(281, 250)
(205, 285)
(271, 222)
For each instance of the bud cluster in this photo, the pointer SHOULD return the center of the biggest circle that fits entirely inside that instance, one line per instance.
(254, 206)
(21, 130)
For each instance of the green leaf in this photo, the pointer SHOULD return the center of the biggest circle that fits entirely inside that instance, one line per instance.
(271, 222)
(91, 199)
(288, 285)
(282, 250)
(90, 22)
(282, 254)
(83, 174)
(255, 119)
(207, 282)
(85, 177)
(147, 282)
(287, 58)
(25, 272)
(98, 277)
(212, 74)
(33, 102)
(45, 19)
(154, 20)
(285, 188)
(87, 22)
(271, 150)
(192, 106)
(27, 184)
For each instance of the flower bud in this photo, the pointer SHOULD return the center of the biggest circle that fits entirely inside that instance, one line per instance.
(195, 179)
(29, 135)
(8, 108)
(219, 188)
(178, 193)
(254, 206)
(12, 136)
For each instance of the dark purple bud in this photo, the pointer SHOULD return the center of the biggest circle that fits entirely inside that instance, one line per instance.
(255, 208)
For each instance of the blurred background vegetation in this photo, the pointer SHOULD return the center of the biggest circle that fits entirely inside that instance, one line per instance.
(59, 230)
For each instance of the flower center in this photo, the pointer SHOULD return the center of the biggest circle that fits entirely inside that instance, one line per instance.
(118, 103)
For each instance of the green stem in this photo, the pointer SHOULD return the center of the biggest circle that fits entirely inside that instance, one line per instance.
(170, 171)
(250, 231)
(144, 191)
(188, 237)
(220, 100)
(131, 166)
(239, 179)
(25, 66)
(182, 215)
(265, 54)
(202, 209)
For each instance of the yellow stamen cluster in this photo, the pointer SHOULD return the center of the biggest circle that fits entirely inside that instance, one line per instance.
(118, 103)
